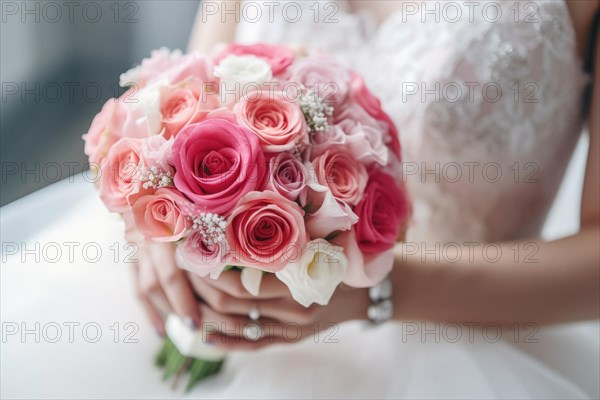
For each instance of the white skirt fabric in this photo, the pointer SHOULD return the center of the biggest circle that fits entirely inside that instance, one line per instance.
(72, 328)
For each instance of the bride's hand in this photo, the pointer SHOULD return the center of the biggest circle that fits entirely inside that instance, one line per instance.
(162, 287)
(227, 305)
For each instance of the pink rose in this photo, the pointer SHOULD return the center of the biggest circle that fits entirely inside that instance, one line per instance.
(361, 94)
(323, 74)
(278, 57)
(288, 177)
(163, 216)
(342, 174)
(277, 122)
(120, 179)
(201, 259)
(217, 162)
(382, 212)
(266, 231)
(183, 104)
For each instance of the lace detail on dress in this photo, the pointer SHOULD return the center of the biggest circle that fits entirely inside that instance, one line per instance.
(477, 92)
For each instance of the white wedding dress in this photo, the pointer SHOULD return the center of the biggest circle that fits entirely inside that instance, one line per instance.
(389, 361)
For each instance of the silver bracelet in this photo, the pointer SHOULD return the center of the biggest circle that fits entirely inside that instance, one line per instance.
(381, 308)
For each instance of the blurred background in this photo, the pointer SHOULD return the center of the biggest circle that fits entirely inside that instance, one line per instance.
(60, 61)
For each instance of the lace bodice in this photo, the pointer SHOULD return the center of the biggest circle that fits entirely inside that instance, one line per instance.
(487, 99)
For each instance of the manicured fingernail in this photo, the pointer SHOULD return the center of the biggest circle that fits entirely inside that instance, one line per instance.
(190, 323)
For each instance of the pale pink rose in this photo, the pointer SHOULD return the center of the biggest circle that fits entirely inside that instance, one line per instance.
(135, 115)
(160, 60)
(274, 119)
(192, 65)
(341, 173)
(109, 125)
(266, 231)
(100, 136)
(162, 216)
(217, 162)
(156, 150)
(364, 270)
(363, 135)
(382, 213)
(201, 259)
(278, 57)
(288, 177)
(183, 104)
(168, 66)
(120, 174)
(329, 79)
(371, 104)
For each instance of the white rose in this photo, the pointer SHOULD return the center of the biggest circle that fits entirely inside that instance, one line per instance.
(316, 275)
(243, 70)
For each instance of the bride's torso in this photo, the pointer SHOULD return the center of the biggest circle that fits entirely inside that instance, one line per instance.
(487, 97)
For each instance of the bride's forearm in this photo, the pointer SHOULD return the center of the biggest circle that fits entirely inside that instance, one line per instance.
(503, 283)
(215, 23)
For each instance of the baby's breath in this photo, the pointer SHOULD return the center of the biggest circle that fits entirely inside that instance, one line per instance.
(315, 110)
(156, 178)
(211, 227)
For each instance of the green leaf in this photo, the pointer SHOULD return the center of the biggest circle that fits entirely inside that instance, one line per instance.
(174, 364)
(201, 369)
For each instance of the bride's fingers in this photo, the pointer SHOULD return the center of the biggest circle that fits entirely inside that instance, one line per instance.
(232, 325)
(220, 301)
(231, 283)
(175, 283)
(283, 310)
(150, 287)
(153, 314)
(230, 343)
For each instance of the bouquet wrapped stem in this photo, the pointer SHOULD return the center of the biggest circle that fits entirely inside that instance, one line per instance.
(186, 351)
(175, 364)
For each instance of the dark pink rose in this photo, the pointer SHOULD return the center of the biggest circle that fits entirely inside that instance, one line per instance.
(361, 94)
(278, 57)
(382, 212)
(217, 162)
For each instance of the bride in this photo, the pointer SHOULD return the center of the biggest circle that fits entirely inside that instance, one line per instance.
(490, 99)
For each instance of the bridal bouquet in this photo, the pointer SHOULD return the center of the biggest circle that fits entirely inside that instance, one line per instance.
(254, 158)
